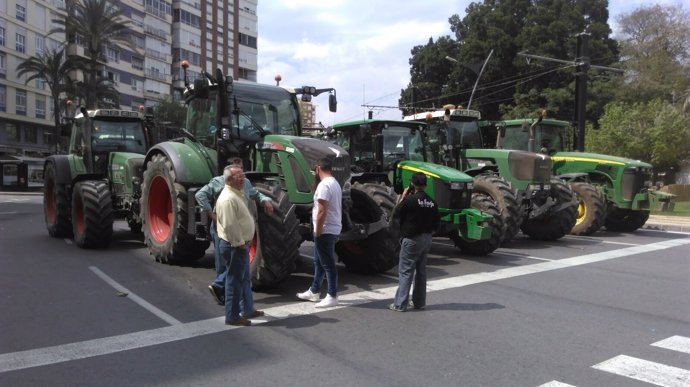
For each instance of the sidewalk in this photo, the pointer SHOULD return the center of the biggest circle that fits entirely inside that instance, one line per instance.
(668, 223)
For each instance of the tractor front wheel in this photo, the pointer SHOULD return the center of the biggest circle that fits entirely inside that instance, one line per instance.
(624, 220)
(591, 209)
(92, 214)
(558, 224)
(481, 247)
(164, 214)
(505, 198)
(56, 205)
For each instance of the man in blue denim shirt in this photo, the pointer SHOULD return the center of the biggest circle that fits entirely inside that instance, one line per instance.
(206, 198)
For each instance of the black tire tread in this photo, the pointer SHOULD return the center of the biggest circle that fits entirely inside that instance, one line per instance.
(595, 209)
(557, 224)
(485, 204)
(97, 208)
(61, 226)
(505, 198)
(625, 220)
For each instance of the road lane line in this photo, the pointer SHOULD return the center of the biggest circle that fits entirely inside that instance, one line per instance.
(590, 239)
(522, 256)
(555, 383)
(675, 343)
(130, 295)
(646, 371)
(129, 341)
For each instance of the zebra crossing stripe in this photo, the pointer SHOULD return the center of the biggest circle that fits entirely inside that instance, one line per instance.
(646, 371)
(555, 383)
(675, 343)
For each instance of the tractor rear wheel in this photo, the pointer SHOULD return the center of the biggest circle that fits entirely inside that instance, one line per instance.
(379, 252)
(56, 205)
(164, 214)
(92, 214)
(558, 224)
(624, 220)
(591, 209)
(275, 247)
(481, 247)
(505, 198)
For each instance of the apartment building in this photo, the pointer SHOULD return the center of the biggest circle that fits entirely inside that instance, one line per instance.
(208, 34)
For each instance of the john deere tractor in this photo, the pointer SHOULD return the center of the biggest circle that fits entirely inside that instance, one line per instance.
(261, 124)
(520, 183)
(385, 154)
(98, 181)
(615, 192)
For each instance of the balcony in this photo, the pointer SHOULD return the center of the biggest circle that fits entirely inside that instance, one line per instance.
(157, 75)
(157, 32)
(157, 55)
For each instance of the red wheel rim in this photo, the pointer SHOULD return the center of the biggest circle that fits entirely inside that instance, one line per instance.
(252, 249)
(159, 214)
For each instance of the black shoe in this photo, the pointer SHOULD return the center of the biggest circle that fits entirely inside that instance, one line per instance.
(218, 294)
(395, 308)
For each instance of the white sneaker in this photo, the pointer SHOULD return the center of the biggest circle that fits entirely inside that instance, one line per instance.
(327, 302)
(309, 296)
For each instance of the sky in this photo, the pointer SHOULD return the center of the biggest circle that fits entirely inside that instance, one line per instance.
(360, 48)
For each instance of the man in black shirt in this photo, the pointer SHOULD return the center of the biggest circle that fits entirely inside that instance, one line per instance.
(419, 218)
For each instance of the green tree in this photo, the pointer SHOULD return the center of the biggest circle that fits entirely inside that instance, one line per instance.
(510, 86)
(53, 68)
(656, 52)
(94, 24)
(656, 132)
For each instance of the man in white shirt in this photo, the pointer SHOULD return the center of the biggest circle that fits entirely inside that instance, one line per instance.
(327, 222)
(235, 229)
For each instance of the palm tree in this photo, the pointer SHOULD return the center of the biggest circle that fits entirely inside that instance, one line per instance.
(52, 67)
(94, 24)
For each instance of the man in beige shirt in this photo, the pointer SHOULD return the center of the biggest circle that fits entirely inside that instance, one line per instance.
(235, 230)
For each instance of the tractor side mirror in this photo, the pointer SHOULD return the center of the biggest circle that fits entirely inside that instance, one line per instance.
(332, 103)
(201, 89)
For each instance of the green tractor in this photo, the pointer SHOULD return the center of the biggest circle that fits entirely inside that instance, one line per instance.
(384, 155)
(260, 124)
(520, 183)
(614, 192)
(98, 181)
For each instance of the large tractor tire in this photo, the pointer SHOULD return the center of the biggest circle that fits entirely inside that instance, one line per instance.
(275, 248)
(379, 252)
(92, 214)
(624, 220)
(387, 199)
(591, 209)
(558, 224)
(56, 205)
(505, 198)
(164, 215)
(482, 247)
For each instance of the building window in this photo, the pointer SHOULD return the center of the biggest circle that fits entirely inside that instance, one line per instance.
(20, 101)
(19, 42)
(2, 35)
(39, 45)
(137, 63)
(3, 98)
(3, 65)
(12, 132)
(31, 135)
(21, 12)
(40, 84)
(112, 54)
(40, 107)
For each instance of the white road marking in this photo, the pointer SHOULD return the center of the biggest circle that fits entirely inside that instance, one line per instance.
(522, 256)
(86, 349)
(646, 371)
(68, 241)
(555, 383)
(590, 239)
(675, 343)
(8, 213)
(143, 303)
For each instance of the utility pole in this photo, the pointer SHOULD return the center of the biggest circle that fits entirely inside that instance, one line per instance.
(582, 63)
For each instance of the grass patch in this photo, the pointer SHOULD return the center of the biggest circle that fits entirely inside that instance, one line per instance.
(680, 209)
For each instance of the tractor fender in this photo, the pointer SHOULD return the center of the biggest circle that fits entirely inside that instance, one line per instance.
(63, 172)
(480, 170)
(189, 166)
(574, 177)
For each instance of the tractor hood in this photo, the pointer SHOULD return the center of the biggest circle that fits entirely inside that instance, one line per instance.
(565, 157)
(440, 172)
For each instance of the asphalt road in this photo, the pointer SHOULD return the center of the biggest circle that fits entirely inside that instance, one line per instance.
(609, 310)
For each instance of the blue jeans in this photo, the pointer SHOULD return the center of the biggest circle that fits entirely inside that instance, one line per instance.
(412, 259)
(247, 300)
(235, 263)
(324, 263)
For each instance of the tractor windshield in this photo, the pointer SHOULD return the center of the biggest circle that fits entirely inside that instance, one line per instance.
(120, 136)
(547, 138)
(401, 143)
(463, 134)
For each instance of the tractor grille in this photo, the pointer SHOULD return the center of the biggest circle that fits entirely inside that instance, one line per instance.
(531, 167)
(341, 169)
(452, 199)
(633, 182)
